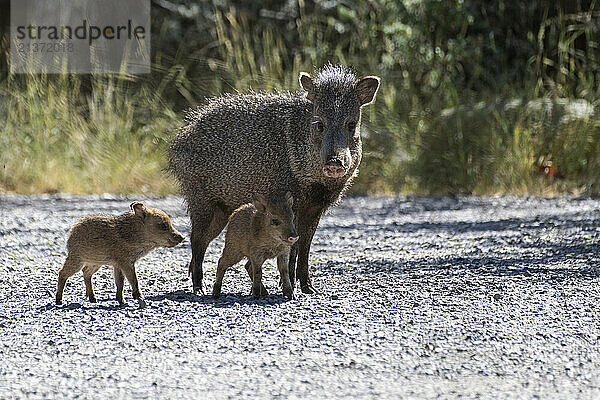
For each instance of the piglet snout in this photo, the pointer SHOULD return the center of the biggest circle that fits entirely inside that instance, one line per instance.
(293, 239)
(178, 237)
(175, 239)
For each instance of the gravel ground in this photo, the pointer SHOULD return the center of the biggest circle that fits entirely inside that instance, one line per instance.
(435, 298)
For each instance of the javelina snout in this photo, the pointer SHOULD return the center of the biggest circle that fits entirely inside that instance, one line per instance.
(176, 238)
(293, 239)
(292, 236)
(335, 167)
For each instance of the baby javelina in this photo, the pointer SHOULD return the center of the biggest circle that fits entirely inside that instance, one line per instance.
(98, 240)
(259, 231)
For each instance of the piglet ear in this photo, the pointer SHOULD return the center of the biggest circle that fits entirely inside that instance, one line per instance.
(366, 89)
(307, 83)
(260, 203)
(289, 198)
(139, 209)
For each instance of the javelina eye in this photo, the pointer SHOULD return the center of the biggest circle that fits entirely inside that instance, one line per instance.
(318, 126)
(275, 222)
(164, 226)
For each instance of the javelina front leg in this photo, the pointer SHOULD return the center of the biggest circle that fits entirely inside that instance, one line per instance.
(282, 266)
(256, 275)
(199, 247)
(129, 272)
(263, 289)
(292, 264)
(71, 267)
(306, 232)
(120, 282)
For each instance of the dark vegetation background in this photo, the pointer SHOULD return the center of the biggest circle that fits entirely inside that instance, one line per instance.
(477, 97)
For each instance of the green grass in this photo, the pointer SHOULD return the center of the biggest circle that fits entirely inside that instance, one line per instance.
(57, 139)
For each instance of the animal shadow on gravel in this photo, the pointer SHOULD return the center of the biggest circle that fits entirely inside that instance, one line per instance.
(91, 306)
(529, 224)
(484, 266)
(536, 263)
(226, 300)
(554, 259)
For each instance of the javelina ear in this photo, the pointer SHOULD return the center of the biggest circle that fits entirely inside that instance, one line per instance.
(366, 89)
(289, 198)
(260, 203)
(306, 81)
(139, 209)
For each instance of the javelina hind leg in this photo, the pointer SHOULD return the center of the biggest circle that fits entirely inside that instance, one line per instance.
(263, 289)
(120, 282)
(88, 271)
(206, 225)
(71, 267)
(228, 259)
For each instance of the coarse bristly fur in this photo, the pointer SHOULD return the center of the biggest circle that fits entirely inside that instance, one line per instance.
(259, 231)
(119, 241)
(240, 146)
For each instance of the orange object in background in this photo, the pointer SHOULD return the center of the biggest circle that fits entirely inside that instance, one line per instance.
(548, 169)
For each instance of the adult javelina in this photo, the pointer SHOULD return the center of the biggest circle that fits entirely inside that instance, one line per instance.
(240, 146)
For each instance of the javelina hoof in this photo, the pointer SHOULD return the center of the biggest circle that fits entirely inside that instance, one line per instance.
(93, 299)
(198, 290)
(289, 295)
(58, 302)
(309, 289)
(263, 291)
(141, 303)
(256, 293)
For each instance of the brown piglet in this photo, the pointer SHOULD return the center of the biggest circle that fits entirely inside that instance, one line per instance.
(260, 231)
(119, 242)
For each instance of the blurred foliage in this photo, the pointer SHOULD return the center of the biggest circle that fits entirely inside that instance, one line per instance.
(475, 95)
(52, 141)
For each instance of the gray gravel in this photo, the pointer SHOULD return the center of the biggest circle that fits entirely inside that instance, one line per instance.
(469, 297)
